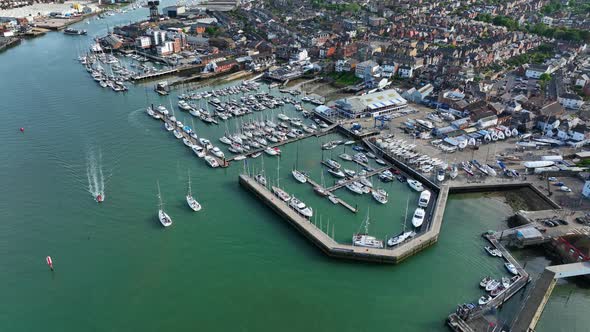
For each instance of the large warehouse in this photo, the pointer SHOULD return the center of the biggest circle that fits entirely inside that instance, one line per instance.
(370, 105)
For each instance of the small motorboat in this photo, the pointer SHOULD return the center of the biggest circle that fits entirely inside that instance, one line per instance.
(491, 251)
(416, 185)
(418, 217)
(345, 156)
(511, 268)
(336, 173)
(497, 291)
(100, 198)
(493, 284)
(506, 282)
(485, 281)
(484, 300)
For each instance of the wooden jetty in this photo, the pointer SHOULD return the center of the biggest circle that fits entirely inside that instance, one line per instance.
(346, 251)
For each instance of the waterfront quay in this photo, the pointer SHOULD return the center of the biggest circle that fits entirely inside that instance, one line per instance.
(346, 251)
(474, 320)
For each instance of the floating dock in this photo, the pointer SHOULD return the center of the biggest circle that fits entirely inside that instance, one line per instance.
(345, 251)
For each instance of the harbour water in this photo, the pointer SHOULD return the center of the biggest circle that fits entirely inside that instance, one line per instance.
(232, 265)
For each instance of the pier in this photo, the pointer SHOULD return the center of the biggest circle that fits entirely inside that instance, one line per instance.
(534, 304)
(474, 320)
(346, 251)
(165, 119)
(319, 133)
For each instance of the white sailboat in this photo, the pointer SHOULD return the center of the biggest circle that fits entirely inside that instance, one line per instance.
(190, 200)
(164, 218)
(364, 239)
(404, 235)
(380, 195)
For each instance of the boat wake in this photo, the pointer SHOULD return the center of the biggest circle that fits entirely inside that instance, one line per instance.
(95, 175)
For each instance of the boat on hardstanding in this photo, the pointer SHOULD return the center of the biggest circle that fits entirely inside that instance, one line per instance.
(190, 200)
(164, 218)
(418, 217)
(299, 176)
(380, 195)
(440, 175)
(454, 172)
(364, 239)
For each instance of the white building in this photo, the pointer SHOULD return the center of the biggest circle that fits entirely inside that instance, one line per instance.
(299, 56)
(547, 20)
(405, 71)
(571, 101)
(366, 68)
(535, 71)
(371, 104)
(143, 42)
(158, 37)
(166, 48)
(342, 66)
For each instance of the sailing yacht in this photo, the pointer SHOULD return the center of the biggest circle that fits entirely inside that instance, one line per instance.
(164, 218)
(380, 195)
(192, 203)
(299, 176)
(404, 235)
(283, 195)
(364, 239)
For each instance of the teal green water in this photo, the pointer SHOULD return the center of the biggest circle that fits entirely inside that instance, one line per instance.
(234, 265)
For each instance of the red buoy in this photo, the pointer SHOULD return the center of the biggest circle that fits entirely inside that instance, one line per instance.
(22, 129)
(49, 262)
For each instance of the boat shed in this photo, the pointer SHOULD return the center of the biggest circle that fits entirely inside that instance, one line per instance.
(528, 234)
